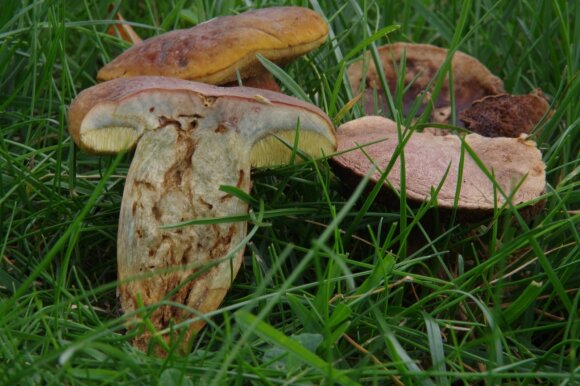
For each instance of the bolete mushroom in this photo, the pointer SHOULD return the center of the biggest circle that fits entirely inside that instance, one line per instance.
(215, 51)
(471, 79)
(516, 165)
(190, 138)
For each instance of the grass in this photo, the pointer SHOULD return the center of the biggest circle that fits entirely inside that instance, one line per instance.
(331, 289)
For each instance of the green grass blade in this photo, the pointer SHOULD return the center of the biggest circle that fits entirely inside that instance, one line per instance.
(275, 337)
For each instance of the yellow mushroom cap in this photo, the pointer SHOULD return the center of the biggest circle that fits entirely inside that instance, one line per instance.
(213, 51)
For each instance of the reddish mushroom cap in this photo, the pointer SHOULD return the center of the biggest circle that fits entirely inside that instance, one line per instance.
(471, 79)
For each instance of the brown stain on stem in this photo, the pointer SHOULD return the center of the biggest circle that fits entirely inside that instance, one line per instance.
(241, 175)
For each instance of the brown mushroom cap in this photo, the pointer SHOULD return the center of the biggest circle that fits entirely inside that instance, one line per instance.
(280, 34)
(427, 157)
(505, 115)
(471, 79)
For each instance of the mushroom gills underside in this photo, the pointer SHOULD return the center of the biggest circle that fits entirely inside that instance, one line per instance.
(278, 148)
(109, 140)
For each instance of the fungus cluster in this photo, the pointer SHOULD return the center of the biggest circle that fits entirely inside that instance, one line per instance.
(475, 173)
(191, 138)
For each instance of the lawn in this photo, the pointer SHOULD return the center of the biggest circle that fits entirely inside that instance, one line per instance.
(336, 287)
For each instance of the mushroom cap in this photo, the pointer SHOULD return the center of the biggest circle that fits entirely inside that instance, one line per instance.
(427, 157)
(213, 51)
(471, 79)
(111, 116)
(505, 115)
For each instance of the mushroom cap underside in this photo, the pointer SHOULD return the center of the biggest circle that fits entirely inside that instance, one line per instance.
(471, 79)
(515, 163)
(111, 116)
(213, 51)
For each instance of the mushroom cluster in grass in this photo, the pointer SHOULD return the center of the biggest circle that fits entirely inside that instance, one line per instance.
(190, 138)
(512, 167)
(221, 49)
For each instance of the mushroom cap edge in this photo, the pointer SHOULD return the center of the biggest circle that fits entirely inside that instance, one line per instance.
(105, 98)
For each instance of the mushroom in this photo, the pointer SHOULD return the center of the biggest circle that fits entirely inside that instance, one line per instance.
(505, 115)
(516, 165)
(190, 138)
(215, 51)
(471, 79)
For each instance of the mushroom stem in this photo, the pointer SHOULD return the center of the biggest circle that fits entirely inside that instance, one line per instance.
(181, 184)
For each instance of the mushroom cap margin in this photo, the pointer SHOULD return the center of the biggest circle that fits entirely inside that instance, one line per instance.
(85, 111)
